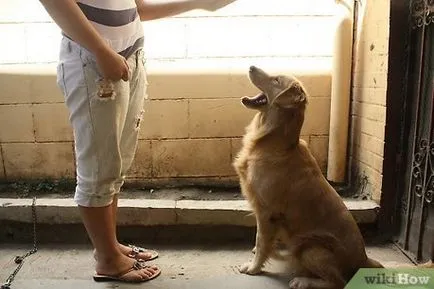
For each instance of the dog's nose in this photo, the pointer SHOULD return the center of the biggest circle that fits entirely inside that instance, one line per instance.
(252, 68)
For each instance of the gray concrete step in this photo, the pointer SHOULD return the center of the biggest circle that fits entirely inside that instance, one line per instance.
(162, 220)
(154, 212)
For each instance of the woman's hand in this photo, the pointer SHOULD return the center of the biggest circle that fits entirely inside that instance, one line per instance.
(112, 66)
(213, 5)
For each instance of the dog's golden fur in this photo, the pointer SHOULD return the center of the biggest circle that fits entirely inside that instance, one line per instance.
(289, 195)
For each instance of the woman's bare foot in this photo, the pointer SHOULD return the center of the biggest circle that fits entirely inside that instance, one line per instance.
(123, 268)
(127, 251)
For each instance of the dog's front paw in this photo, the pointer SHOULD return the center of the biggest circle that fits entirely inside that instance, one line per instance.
(299, 283)
(248, 268)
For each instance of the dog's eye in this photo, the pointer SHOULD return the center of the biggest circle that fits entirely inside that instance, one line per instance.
(276, 80)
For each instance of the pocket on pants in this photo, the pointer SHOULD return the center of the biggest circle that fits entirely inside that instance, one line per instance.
(100, 89)
(70, 76)
(143, 61)
(60, 78)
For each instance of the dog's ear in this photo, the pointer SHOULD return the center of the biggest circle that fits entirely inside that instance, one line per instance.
(291, 97)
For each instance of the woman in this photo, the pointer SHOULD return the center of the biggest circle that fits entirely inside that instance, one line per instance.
(102, 76)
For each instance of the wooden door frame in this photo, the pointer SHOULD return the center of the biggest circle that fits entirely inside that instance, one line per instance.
(396, 133)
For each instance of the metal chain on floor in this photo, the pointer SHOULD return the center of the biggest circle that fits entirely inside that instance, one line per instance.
(19, 260)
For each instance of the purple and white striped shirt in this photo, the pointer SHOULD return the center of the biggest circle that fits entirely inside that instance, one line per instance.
(117, 21)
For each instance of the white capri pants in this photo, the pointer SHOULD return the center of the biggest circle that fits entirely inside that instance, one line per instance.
(105, 117)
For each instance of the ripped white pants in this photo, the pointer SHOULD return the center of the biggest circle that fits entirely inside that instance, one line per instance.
(105, 117)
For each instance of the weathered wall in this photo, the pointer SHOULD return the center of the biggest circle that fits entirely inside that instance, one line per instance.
(369, 95)
(197, 65)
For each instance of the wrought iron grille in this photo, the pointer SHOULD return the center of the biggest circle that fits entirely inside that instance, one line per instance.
(423, 171)
(417, 207)
(422, 12)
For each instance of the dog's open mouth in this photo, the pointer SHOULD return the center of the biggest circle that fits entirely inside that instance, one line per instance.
(255, 101)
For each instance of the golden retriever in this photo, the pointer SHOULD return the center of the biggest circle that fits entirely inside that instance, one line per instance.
(289, 195)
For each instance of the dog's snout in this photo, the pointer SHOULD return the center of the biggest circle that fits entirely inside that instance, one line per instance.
(252, 68)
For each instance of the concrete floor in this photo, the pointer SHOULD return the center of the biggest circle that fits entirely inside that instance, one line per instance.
(206, 266)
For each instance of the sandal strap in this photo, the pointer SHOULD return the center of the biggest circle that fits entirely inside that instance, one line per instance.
(136, 266)
(137, 249)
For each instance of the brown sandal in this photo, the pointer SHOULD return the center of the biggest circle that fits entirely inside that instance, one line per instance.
(135, 251)
(120, 277)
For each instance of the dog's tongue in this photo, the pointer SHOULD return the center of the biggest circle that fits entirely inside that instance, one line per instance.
(256, 100)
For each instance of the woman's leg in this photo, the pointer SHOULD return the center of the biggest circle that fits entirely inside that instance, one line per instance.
(129, 136)
(126, 250)
(97, 124)
(111, 261)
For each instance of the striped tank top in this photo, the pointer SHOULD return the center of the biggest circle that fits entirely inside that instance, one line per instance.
(117, 21)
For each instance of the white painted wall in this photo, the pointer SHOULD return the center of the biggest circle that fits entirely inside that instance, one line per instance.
(245, 29)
